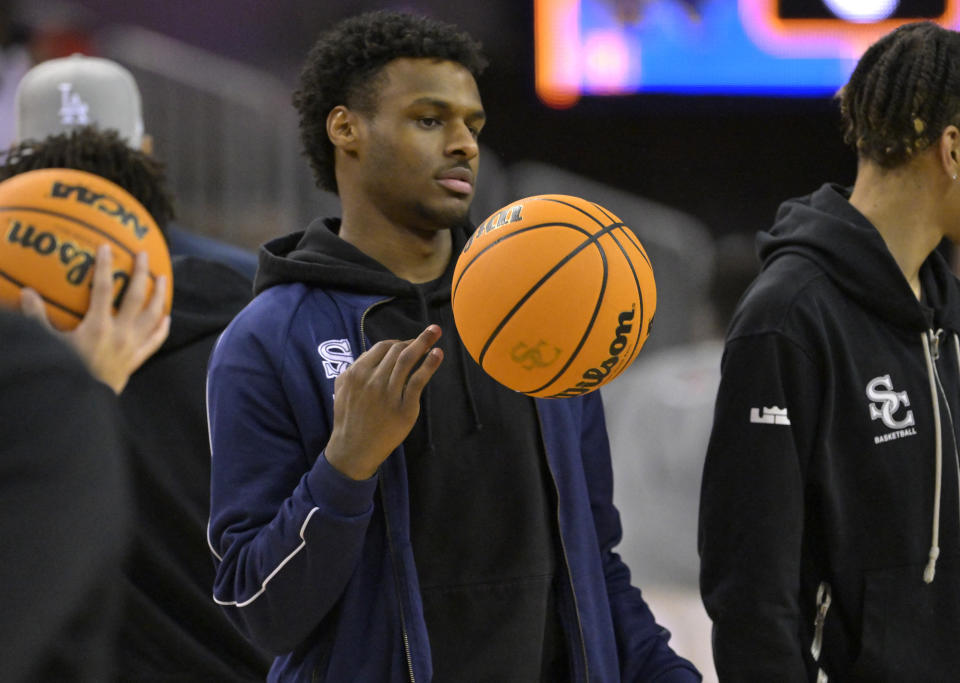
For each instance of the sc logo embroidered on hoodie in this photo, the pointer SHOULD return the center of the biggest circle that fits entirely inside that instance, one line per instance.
(880, 391)
(336, 355)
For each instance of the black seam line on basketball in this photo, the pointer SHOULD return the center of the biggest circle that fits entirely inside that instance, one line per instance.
(68, 217)
(626, 359)
(632, 237)
(596, 310)
(603, 255)
(635, 241)
(574, 207)
(519, 304)
(594, 237)
(539, 225)
(476, 257)
(21, 285)
(593, 318)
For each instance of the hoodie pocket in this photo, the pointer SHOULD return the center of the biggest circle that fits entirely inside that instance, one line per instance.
(910, 627)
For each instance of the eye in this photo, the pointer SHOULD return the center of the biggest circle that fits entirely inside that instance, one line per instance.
(429, 122)
(474, 131)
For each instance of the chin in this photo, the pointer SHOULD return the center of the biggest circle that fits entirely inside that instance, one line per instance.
(435, 218)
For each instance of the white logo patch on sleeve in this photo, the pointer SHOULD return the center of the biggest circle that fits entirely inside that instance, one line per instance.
(770, 416)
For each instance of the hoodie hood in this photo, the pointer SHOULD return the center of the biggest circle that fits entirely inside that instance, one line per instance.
(318, 257)
(825, 228)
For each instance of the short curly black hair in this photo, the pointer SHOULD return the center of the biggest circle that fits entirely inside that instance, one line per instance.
(904, 91)
(103, 153)
(342, 67)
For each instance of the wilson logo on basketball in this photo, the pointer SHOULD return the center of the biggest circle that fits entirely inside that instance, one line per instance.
(102, 202)
(77, 261)
(593, 377)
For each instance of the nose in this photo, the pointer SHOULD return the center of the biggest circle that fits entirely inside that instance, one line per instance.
(462, 142)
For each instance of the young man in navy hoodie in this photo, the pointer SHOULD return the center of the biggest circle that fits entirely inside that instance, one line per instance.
(829, 533)
(381, 510)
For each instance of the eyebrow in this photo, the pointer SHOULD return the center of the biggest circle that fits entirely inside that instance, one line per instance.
(475, 115)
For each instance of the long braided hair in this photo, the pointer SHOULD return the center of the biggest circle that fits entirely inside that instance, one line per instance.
(904, 91)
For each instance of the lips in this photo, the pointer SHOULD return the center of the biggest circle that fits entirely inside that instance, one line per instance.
(457, 179)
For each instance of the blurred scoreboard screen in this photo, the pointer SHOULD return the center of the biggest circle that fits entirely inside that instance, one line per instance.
(824, 9)
(790, 48)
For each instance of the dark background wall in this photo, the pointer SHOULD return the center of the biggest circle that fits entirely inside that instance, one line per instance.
(728, 161)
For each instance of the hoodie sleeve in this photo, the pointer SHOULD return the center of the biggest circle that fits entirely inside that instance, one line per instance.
(286, 528)
(752, 507)
(642, 644)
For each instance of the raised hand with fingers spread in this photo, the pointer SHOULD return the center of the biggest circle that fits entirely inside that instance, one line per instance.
(377, 401)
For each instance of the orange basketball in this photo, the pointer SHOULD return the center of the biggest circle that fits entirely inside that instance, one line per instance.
(51, 223)
(553, 296)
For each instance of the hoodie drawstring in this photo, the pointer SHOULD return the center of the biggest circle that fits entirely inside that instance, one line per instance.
(930, 570)
(425, 398)
(477, 424)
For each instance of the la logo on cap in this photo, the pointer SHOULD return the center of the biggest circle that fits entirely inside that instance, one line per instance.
(73, 110)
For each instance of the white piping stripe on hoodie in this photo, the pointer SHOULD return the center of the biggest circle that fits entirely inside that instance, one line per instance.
(931, 567)
(263, 586)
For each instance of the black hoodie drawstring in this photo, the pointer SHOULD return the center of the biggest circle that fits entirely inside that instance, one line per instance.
(425, 403)
(477, 424)
(425, 400)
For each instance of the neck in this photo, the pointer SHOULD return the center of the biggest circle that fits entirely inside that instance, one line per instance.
(901, 207)
(410, 254)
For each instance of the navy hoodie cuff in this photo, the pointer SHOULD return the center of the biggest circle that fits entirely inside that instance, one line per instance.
(335, 491)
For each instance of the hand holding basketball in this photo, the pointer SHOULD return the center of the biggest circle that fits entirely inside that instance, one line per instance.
(377, 401)
(53, 220)
(114, 346)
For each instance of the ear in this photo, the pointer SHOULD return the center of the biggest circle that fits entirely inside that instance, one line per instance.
(146, 144)
(950, 151)
(343, 128)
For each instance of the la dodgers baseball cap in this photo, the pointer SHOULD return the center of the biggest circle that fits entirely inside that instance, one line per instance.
(59, 95)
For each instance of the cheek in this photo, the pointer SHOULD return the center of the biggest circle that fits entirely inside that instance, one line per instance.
(401, 158)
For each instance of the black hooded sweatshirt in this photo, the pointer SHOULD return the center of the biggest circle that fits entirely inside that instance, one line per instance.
(831, 475)
(172, 629)
(482, 513)
(65, 512)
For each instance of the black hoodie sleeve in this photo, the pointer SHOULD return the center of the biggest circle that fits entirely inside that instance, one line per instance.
(64, 510)
(751, 508)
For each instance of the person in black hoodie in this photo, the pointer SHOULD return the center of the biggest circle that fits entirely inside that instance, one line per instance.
(65, 512)
(170, 630)
(829, 536)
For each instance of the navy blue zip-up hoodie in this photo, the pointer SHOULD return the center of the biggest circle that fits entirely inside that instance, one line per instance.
(317, 567)
(829, 525)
